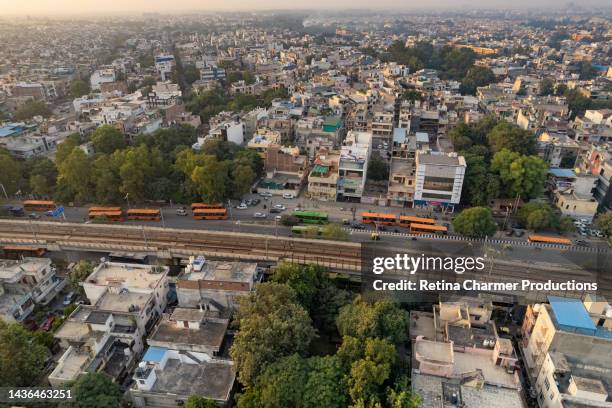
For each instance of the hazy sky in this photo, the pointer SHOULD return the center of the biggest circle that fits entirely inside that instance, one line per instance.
(37, 7)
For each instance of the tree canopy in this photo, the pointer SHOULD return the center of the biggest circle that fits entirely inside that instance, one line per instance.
(604, 222)
(106, 139)
(475, 222)
(32, 108)
(22, 357)
(95, 390)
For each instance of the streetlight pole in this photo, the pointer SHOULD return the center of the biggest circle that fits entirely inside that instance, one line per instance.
(4, 191)
(127, 198)
(161, 211)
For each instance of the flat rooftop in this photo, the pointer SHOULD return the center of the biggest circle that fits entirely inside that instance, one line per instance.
(433, 394)
(440, 159)
(224, 271)
(571, 313)
(12, 269)
(210, 380)
(493, 374)
(123, 302)
(210, 334)
(127, 275)
(435, 351)
(70, 365)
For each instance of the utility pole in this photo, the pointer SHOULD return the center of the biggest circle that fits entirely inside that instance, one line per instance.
(4, 191)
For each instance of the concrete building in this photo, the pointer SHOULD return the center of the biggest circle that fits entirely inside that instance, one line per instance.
(323, 178)
(25, 283)
(567, 353)
(101, 76)
(214, 285)
(354, 157)
(459, 360)
(438, 179)
(164, 65)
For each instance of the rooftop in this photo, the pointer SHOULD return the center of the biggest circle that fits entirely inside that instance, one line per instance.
(223, 271)
(440, 159)
(11, 270)
(127, 275)
(125, 301)
(211, 379)
(571, 313)
(210, 334)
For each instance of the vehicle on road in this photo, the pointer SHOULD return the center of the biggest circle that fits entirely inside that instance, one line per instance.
(265, 194)
(34, 215)
(275, 210)
(375, 236)
(581, 242)
(144, 214)
(543, 239)
(39, 205)
(68, 299)
(181, 212)
(288, 195)
(311, 217)
(255, 201)
(242, 206)
(357, 226)
(260, 215)
(280, 207)
(379, 146)
(378, 218)
(105, 213)
(278, 218)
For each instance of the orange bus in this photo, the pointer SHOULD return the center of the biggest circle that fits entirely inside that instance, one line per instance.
(196, 206)
(39, 205)
(148, 214)
(406, 220)
(106, 213)
(378, 218)
(428, 229)
(210, 214)
(543, 239)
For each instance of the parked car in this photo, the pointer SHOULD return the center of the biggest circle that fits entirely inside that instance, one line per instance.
(278, 218)
(509, 232)
(275, 211)
(265, 194)
(48, 323)
(48, 213)
(358, 226)
(242, 206)
(255, 201)
(68, 299)
(581, 242)
(34, 215)
(519, 233)
(288, 195)
(181, 212)
(260, 215)
(280, 207)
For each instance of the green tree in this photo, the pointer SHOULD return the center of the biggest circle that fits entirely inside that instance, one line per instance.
(32, 108)
(211, 180)
(196, 401)
(106, 139)
(334, 231)
(105, 174)
(22, 358)
(43, 176)
(476, 76)
(381, 318)
(95, 390)
(271, 325)
(604, 223)
(547, 87)
(479, 185)
(475, 222)
(289, 220)
(136, 171)
(378, 169)
(401, 396)
(75, 175)
(506, 135)
(536, 216)
(10, 173)
(369, 373)
(520, 175)
(566, 224)
(243, 177)
(461, 136)
(79, 88)
(79, 273)
(66, 147)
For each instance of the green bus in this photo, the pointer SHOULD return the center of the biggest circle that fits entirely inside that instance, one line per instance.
(306, 230)
(311, 217)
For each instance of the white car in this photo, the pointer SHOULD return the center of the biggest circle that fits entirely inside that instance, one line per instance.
(379, 146)
(278, 218)
(242, 206)
(280, 207)
(265, 194)
(260, 215)
(288, 195)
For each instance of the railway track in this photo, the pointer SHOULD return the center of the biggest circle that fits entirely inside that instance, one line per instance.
(342, 255)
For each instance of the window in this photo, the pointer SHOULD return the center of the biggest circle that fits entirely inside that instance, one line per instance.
(552, 395)
(547, 384)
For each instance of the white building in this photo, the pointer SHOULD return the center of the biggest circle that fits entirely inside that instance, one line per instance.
(163, 65)
(438, 179)
(102, 76)
(353, 166)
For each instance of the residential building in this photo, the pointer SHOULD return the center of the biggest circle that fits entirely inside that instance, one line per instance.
(438, 179)
(101, 76)
(25, 283)
(352, 171)
(323, 178)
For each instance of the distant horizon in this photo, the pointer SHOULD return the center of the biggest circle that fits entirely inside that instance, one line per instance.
(58, 8)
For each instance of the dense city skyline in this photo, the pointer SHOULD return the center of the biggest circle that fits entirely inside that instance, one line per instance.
(74, 7)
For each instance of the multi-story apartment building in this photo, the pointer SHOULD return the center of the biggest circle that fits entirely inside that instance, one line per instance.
(353, 166)
(101, 76)
(381, 122)
(25, 283)
(438, 179)
(323, 178)
(567, 347)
